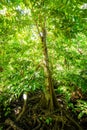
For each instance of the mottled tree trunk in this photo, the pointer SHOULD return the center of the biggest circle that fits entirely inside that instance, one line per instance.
(49, 89)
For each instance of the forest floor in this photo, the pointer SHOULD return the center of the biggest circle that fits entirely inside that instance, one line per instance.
(29, 115)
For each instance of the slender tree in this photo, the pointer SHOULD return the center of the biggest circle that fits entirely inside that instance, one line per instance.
(40, 22)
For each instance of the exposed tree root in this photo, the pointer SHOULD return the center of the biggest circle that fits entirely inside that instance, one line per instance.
(73, 121)
(35, 116)
(12, 124)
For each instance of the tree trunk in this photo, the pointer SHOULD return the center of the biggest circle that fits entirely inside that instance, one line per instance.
(50, 96)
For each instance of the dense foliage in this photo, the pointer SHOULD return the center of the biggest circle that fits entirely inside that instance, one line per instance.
(21, 54)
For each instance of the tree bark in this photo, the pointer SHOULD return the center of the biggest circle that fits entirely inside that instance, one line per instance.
(49, 93)
(50, 96)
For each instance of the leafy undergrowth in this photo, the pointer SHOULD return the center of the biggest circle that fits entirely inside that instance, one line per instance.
(29, 114)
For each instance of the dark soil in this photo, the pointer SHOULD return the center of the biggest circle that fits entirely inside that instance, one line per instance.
(30, 115)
